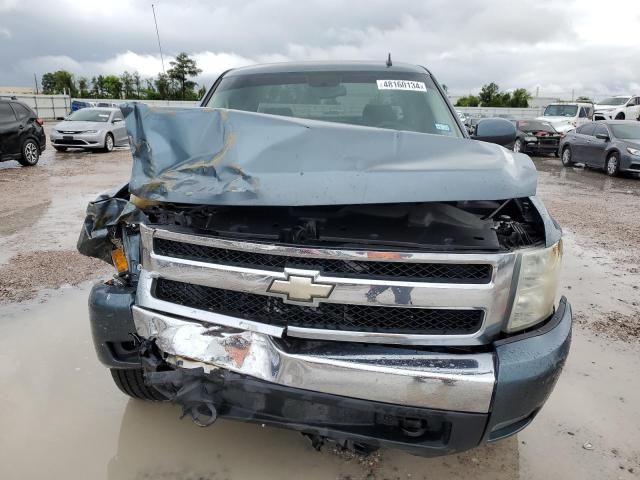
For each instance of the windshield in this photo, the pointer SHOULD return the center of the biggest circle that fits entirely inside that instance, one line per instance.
(627, 132)
(89, 115)
(397, 101)
(614, 101)
(561, 111)
(535, 126)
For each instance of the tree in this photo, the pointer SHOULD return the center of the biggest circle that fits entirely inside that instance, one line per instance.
(519, 98)
(113, 86)
(83, 86)
(468, 101)
(58, 82)
(127, 84)
(98, 87)
(584, 99)
(202, 92)
(489, 95)
(181, 69)
(162, 86)
(137, 81)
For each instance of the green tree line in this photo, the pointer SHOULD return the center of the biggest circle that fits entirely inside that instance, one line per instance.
(176, 84)
(491, 96)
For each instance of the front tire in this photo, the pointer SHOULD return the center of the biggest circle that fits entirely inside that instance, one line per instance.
(517, 145)
(108, 143)
(131, 383)
(612, 166)
(567, 157)
(30, 153)
(620, 116)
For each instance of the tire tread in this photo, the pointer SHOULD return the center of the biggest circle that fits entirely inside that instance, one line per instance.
(131, 383)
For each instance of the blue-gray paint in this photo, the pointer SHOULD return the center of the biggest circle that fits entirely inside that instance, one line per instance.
(229, 157)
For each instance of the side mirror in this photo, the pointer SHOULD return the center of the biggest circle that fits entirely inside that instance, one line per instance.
(495, 130)
(602, 136)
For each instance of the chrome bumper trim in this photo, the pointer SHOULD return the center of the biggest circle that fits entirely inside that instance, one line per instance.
(410, 378)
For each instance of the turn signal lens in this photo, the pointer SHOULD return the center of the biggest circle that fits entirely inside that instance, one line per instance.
(120, 260)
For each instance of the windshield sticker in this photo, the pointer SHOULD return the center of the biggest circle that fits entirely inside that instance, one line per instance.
(401, 85)
(443, 127)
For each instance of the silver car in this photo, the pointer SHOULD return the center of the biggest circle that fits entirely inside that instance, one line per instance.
(90, 128)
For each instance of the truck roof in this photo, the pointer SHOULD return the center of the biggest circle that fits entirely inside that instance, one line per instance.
(333, 66)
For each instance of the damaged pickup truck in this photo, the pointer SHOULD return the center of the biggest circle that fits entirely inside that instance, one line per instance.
(322, 247)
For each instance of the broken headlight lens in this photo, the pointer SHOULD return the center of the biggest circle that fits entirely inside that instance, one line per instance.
(537, 285)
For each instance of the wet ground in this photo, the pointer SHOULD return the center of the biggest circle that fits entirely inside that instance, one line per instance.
(61, 417)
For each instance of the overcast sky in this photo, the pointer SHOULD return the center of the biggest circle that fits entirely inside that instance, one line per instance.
(592, 47)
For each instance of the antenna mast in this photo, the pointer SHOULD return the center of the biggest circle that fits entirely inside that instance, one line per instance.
(158, 35)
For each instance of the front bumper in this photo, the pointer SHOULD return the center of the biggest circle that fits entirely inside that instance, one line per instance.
(365, 393)
(78, 140)
(535, 147)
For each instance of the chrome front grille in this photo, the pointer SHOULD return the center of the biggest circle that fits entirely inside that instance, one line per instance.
(327, 316)
(422, 272)
(435, 299)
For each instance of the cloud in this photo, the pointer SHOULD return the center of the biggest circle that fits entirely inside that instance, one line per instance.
(556, 46)
(5, 32)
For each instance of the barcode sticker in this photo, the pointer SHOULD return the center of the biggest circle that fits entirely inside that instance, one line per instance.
(401, 85)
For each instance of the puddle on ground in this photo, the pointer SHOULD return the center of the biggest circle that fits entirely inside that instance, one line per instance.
(60, 407)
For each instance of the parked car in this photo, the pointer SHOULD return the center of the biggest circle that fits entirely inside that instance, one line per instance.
(79, 105)
(536, 137)
(326, 249)
(612, 145)
(567, 116)
(623, 107)
(107, 105)
(22, 136)
(90, 128)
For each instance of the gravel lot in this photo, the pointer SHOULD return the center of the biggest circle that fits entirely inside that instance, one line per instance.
(63, 418)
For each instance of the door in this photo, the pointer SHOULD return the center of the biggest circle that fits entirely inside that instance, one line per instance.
(583, 116)
(594, 151)
(119, 129)
(10, 129)
(582, 136)
(633, 109)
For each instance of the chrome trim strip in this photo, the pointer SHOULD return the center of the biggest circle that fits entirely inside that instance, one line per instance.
(310, 252)
(419, 379)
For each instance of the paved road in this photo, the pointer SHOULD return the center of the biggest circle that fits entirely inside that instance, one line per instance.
(61, 417)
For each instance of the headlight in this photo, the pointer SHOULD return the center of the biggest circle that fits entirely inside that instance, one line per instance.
(537, 285)
(633, 151)
(90, 131)
(530, 139)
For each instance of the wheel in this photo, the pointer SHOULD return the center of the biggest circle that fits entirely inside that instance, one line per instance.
(612, 166)
(517, 145)
(566, 156)
(131, 382)
(108, 143)
(60, 149)
(620, 116)
(30, 153)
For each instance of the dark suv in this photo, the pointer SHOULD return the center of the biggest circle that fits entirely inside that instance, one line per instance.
(22, 137)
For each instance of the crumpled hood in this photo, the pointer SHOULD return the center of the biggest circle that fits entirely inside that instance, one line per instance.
(217, 156)
(79, 126)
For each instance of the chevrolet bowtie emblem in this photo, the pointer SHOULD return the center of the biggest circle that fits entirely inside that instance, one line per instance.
(297, 288)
